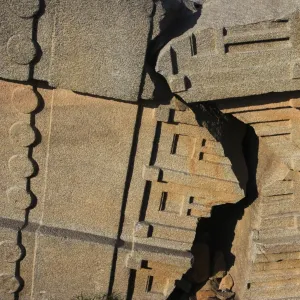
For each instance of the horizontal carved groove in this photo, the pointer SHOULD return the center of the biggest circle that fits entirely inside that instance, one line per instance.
(271, 122)
(257, 45)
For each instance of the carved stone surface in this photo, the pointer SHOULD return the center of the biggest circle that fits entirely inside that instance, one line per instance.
(102, 196)
(236, 49)
(16, 46)
(82, 203)
(272, 251)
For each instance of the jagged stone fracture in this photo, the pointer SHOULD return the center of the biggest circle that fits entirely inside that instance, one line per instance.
(238, 48)
(271, 267)
(102, 196)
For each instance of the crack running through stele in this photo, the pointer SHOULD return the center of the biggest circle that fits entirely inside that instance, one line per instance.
(217, 232)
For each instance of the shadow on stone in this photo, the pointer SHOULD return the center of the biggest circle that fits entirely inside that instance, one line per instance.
(240, 144)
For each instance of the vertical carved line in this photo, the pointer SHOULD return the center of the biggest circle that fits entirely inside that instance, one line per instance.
(193, 43)
(174, 61)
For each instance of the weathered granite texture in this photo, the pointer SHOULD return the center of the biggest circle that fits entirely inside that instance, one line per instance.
(87, 46)
(16, 46)
(103, 196)
(99, 41)
(267, 238)
(236, 49)
(87, 224)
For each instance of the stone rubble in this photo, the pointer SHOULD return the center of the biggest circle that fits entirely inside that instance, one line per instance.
(202, 282)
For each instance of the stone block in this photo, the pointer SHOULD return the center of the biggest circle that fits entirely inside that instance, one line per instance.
(81, 135)
(252, 52)
(62, 261)
(142, 230)
(162, 114)
(133, 262)
(73, 52)
(151, 173)
(16, 46)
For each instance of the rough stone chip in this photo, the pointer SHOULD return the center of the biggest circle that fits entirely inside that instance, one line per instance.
(226, 283)
(205, 295)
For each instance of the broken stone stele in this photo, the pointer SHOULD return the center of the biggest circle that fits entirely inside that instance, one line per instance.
(150, 149)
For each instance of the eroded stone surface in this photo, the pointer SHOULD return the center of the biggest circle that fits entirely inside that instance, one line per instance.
(77, 195)
(236, 49)
(271, 248)
(114, 191)
(71, 51)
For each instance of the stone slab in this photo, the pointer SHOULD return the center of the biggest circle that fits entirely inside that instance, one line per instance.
(16, 46)
(60, 262)
(235, 50)
(266, 243)
(85, 135)
(98, 41)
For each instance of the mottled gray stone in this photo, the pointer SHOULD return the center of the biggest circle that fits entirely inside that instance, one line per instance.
(95, 44)
(16, 47)
(236, 49)
(24, 8)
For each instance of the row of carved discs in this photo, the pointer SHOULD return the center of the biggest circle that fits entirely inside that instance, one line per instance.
(10, 252)
(21, 134)
(20, 48)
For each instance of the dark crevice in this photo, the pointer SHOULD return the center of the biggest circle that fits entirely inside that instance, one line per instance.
(18, 265)
(177, 19)
(218, 231)
(131, 281)
(227, 130)
(222, 223)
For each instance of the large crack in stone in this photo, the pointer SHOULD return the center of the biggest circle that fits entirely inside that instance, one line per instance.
(215, 235)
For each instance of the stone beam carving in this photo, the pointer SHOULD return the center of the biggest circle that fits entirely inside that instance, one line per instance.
(273, 244)
(235, 55)
(103, 196)
(142, 230)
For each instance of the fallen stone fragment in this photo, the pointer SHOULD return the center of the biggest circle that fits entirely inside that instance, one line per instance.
(219, 270)
(195, 78)
(226, 283)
